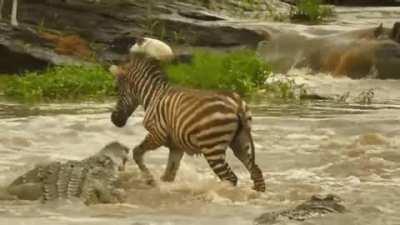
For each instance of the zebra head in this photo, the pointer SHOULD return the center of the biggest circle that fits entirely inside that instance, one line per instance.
(127, 102)
(140, 80)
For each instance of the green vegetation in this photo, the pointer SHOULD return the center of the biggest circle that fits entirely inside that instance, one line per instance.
(65, 83)
(240, 71)
(312, 11)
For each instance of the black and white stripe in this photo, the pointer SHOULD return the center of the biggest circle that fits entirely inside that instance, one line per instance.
(184, 120)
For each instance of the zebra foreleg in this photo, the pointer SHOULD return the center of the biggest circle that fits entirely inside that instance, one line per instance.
(148, 144)
(174, 160)
(240, 146)
(216, 160)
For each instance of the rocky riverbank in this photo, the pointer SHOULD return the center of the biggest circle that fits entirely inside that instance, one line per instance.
(81, 32)
(109, 28)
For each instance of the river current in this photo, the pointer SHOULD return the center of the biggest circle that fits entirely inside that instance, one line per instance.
(303, 147)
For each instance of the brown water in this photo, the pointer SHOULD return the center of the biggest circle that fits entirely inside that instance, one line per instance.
(304, 148)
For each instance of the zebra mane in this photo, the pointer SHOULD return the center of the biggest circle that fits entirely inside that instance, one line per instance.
(142, 58)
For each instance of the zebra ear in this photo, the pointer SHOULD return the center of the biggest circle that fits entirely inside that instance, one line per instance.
(116, 70)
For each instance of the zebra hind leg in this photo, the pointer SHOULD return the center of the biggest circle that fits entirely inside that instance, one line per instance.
(216, 160)
(174, 159)
(148, 144)
(240, 146)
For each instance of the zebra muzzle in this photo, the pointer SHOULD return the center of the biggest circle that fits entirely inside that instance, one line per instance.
(117, 119)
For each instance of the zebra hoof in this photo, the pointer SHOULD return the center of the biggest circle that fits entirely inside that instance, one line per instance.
(259, 189)
(166, 178)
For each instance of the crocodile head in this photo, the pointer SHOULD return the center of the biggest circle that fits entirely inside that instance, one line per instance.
(323, 203)
(114, 154)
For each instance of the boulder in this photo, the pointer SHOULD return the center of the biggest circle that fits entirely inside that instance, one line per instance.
(356, 54)
(23, 49)
(395, 33)
(112, 26)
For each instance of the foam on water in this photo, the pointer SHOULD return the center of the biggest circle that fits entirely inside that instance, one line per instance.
(345, 155)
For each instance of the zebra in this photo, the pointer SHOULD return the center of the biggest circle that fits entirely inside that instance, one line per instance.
(184, 120)
(14, 10)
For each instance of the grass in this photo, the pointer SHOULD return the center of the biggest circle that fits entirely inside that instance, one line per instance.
(312, 11)
(62, 83)
(240, 71)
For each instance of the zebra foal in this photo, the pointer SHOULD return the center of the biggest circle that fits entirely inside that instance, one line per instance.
(184, 120)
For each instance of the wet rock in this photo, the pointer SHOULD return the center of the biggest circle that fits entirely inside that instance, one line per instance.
(316, 206)
(111, 21)
(112, 26)
(372, 139)
(395, 35)
(313, 96)
(366, 53)
(23, 49)
(258, 9)
(387, 63)
(200, 15)
(21, 62)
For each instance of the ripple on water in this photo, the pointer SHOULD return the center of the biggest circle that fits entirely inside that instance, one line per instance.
(303, 149)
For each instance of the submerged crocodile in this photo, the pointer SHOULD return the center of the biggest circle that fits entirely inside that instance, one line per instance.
(93, 180)
(317, 206)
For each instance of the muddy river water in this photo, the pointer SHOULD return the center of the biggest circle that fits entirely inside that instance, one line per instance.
(303, 148)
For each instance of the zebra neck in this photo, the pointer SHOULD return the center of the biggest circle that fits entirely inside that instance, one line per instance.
(152, 92)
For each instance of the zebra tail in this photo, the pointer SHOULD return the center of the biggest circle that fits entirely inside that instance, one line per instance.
(243, 124)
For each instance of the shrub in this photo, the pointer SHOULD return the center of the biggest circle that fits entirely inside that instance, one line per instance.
(61, 83)
(240, 71)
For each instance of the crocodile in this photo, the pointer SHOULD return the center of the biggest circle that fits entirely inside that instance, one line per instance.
(316, 206)
(93, 179)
